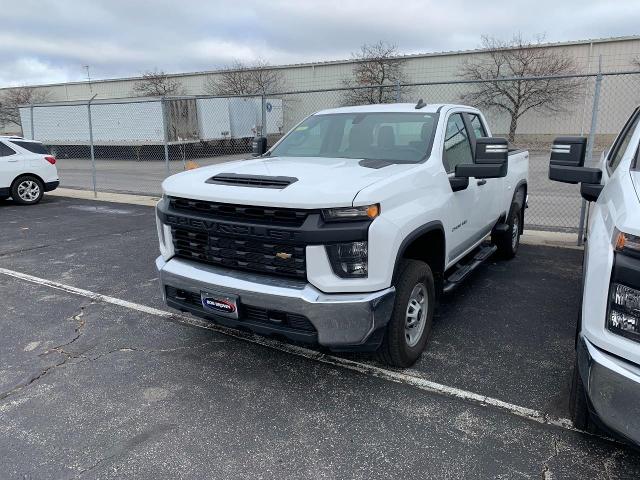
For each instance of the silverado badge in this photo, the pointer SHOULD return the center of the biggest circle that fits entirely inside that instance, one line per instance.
(283, 255)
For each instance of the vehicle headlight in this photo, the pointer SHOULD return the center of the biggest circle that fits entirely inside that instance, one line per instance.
(349, 260)
(626, 243)
(624, 311)
(366, 212)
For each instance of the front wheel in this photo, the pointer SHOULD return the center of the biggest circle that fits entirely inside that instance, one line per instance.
(27, 190)
(508, 240)
(410, 325)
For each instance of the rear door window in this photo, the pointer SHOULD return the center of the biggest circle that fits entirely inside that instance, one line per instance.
(5, 150)
(477, 126)
(33, 147)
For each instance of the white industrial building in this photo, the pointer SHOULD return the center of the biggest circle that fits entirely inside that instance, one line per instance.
(619, 93)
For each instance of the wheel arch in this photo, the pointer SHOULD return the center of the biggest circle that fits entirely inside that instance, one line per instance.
(426, 243)
(521, 200)
(26, 174)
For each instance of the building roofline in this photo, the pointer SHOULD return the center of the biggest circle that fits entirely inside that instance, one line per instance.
(337, 62)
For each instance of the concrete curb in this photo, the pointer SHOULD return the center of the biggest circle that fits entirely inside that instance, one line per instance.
(530, 237)
(145, 200)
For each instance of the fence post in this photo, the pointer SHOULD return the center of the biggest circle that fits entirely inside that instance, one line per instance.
(398, 91)
(93, 158)
(32, 137)
(165, 128)
(590, 142)
(263, 108)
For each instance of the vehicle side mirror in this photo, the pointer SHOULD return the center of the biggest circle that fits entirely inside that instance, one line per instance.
(258, 146)
(567, 162)
(590, 192)
(491, 159)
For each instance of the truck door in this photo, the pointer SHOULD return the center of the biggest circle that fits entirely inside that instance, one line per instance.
(491, 190)
(466, 215)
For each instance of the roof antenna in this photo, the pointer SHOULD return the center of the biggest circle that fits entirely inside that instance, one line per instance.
(420, 104)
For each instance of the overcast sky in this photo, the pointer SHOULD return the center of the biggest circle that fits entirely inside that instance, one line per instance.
(44, 41)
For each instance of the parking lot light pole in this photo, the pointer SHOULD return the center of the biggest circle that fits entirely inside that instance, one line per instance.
(93, 157)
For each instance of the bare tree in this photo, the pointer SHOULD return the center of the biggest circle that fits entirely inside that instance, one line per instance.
(258, 78)
(12, 98)
(519, 58)
(379, 66)
(157, 84)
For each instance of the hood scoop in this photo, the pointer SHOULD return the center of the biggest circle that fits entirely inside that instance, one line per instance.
(255, 181)
(373, 163)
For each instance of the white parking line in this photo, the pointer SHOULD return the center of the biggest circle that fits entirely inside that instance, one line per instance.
(407, 377)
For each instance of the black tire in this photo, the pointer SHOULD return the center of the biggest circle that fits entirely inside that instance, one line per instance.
(578, 405)
(396, 349)
(19, 188)
(508, 241)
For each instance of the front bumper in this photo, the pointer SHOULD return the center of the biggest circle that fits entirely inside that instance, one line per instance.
(342, 320)
(613, 388)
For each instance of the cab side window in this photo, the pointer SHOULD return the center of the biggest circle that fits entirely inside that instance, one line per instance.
(5, 151)
(477, 126)
(620, 147)
(457, 146)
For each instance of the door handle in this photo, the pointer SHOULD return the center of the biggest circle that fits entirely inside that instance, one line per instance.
(482, 182)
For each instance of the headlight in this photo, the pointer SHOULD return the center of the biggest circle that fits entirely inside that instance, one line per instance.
(624, 311)
(626, 243)
(349, 260)
(366, 212)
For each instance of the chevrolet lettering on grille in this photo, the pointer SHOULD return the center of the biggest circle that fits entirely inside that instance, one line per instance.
(230, 229)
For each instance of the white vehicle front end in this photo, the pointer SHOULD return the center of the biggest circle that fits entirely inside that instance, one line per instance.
(608, 332)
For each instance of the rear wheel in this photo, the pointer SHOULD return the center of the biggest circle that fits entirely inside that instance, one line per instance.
(410, 325)
(27, 190)
(508, 240)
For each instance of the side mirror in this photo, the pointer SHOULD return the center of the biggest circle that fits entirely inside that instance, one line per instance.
(491, 159)
(258, 146)
(567, 162)
(458, 183)
(590, 192)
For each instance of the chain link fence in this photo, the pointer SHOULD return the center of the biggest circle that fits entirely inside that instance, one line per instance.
(131, 145)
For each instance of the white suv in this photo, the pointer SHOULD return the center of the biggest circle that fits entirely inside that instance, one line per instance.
(27, 170)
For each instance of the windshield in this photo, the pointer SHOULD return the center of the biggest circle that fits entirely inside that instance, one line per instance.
(395, 137)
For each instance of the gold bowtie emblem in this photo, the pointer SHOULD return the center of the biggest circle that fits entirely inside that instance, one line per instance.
(283, 255)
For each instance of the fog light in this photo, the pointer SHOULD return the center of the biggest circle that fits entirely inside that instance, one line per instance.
(624, 311)
(349, 260)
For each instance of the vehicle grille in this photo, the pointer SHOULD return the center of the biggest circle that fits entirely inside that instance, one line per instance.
(242, 213)
(237, 250)
(246, 312)
(240, 253)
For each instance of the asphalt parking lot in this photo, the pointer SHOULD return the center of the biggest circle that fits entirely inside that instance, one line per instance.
(110, 386)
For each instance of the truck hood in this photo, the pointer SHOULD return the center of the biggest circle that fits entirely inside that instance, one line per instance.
(321, 182)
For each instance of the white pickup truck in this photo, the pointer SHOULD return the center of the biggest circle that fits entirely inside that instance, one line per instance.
(345, 232)
(605, 390)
